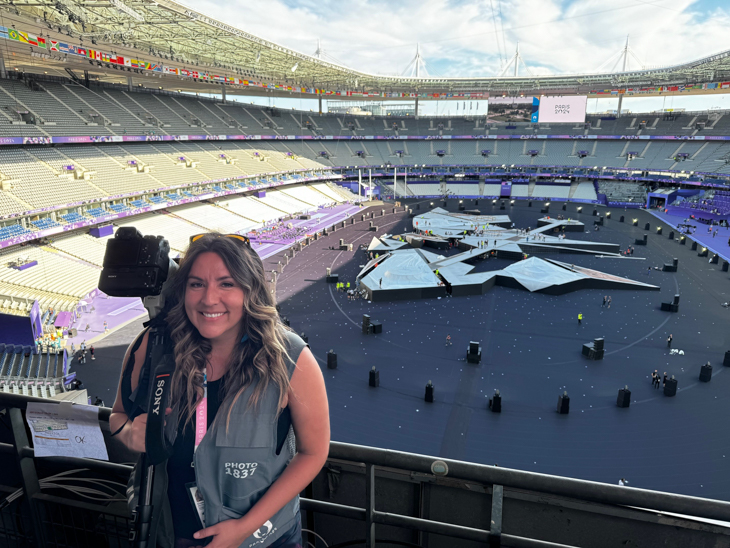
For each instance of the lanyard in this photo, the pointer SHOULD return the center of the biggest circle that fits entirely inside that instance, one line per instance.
(201, 413)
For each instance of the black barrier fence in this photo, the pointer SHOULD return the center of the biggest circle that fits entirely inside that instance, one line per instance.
(421, 495)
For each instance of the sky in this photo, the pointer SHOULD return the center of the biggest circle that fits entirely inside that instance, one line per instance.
(466, 38)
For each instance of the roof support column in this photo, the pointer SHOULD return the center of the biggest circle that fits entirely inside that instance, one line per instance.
(3, 72)
(129, 83)
(416, 108)
(618, 110)
(320, 104)
(223, 92)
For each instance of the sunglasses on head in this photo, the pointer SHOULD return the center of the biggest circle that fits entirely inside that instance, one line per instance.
(243, 239)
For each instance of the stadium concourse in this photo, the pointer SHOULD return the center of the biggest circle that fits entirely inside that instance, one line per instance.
(531, 352)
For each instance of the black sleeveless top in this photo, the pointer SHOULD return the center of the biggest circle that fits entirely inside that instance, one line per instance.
(180, 470)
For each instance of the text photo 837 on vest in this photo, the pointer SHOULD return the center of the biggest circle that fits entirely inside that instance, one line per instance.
(234, 469)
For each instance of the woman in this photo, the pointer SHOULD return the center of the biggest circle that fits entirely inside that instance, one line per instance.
(261, 379)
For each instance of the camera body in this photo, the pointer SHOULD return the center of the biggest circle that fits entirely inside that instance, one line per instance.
(135, 265)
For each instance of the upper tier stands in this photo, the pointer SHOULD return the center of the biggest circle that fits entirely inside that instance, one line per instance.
(68, 108)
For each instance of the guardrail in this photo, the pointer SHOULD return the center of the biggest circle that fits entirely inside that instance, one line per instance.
(421, 501)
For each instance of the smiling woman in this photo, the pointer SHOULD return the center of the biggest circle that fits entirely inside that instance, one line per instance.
(256, 397)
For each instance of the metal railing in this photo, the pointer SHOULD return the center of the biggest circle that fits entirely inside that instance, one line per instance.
(446, 503)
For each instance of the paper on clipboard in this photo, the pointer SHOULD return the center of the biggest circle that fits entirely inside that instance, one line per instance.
(66, 430)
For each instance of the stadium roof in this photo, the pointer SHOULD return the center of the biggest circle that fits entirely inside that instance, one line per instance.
(189, 50)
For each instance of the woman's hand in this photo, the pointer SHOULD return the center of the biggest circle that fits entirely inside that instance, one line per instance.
(138, 431)
(226, 534)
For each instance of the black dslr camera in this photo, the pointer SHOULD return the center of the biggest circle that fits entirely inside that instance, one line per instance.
(135, 265)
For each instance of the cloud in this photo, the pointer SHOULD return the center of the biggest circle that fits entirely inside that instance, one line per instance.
(458, 38)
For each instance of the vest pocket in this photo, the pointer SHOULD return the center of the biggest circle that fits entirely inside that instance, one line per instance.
(247, 431)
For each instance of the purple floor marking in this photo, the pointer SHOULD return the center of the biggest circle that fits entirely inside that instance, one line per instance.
(718, 244)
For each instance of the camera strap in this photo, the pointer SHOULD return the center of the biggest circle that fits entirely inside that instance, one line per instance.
(161, 429)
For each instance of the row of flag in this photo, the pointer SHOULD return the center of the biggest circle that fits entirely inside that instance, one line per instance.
(71, 49)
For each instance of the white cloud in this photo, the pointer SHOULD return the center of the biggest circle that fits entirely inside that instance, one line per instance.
(458, 38)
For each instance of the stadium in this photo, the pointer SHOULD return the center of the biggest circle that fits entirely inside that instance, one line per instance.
(455, 275)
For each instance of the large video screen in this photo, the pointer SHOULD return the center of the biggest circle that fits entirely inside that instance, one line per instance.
(565, 110)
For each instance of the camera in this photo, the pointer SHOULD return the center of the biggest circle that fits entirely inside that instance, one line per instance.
(135, 265)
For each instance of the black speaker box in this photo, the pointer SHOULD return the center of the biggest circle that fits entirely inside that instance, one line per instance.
(377, 327)
(694, 246)
(647, 226)
(331, 360)
(598, 344)
(374, 378)
(624, 398)
(726, 361)
(495, 403)
(565, 207)
(725, 266)
(429, 393)
(670, 387)
(621, 219)
(563, 404)
(706, 373)
(671, 235)
(333, 278)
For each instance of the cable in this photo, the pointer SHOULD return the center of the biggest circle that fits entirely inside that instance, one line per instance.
(85, 492)
(316, 535)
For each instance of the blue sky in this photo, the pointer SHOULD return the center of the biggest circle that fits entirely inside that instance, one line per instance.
(476, 37)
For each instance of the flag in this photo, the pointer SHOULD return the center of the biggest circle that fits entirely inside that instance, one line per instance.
(4, 32)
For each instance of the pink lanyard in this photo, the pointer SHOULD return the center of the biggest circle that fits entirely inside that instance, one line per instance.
(201, 414)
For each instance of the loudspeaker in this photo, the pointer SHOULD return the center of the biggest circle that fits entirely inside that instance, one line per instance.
(682, 240)
(333, 278)
(529, 204)
(598, 344)
(365, 323)
(676, 299)
(715, 259)
(595, 213)
(694, 246)
(565, 207)
(495, 403)
(374, 378)
(362, 217)
(473, 352)
(621, 219)
(564, 404)
(670, 387)
(671, 235)
(462, 207)
(377, 327)
(624, 398)
(659, 230)
(724, 266)
(703, 252)
(331, 360)
(726, 361)
(675, 261)
(647, 226)
(706, 373)
(429, 392)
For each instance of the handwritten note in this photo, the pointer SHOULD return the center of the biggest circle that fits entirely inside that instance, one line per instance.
(66, 430)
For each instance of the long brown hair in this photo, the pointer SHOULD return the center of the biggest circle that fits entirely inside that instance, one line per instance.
(262, 358)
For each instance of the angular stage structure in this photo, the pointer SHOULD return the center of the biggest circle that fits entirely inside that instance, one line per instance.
(405, 270)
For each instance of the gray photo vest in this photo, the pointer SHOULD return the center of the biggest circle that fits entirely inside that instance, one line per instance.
(235, 469)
